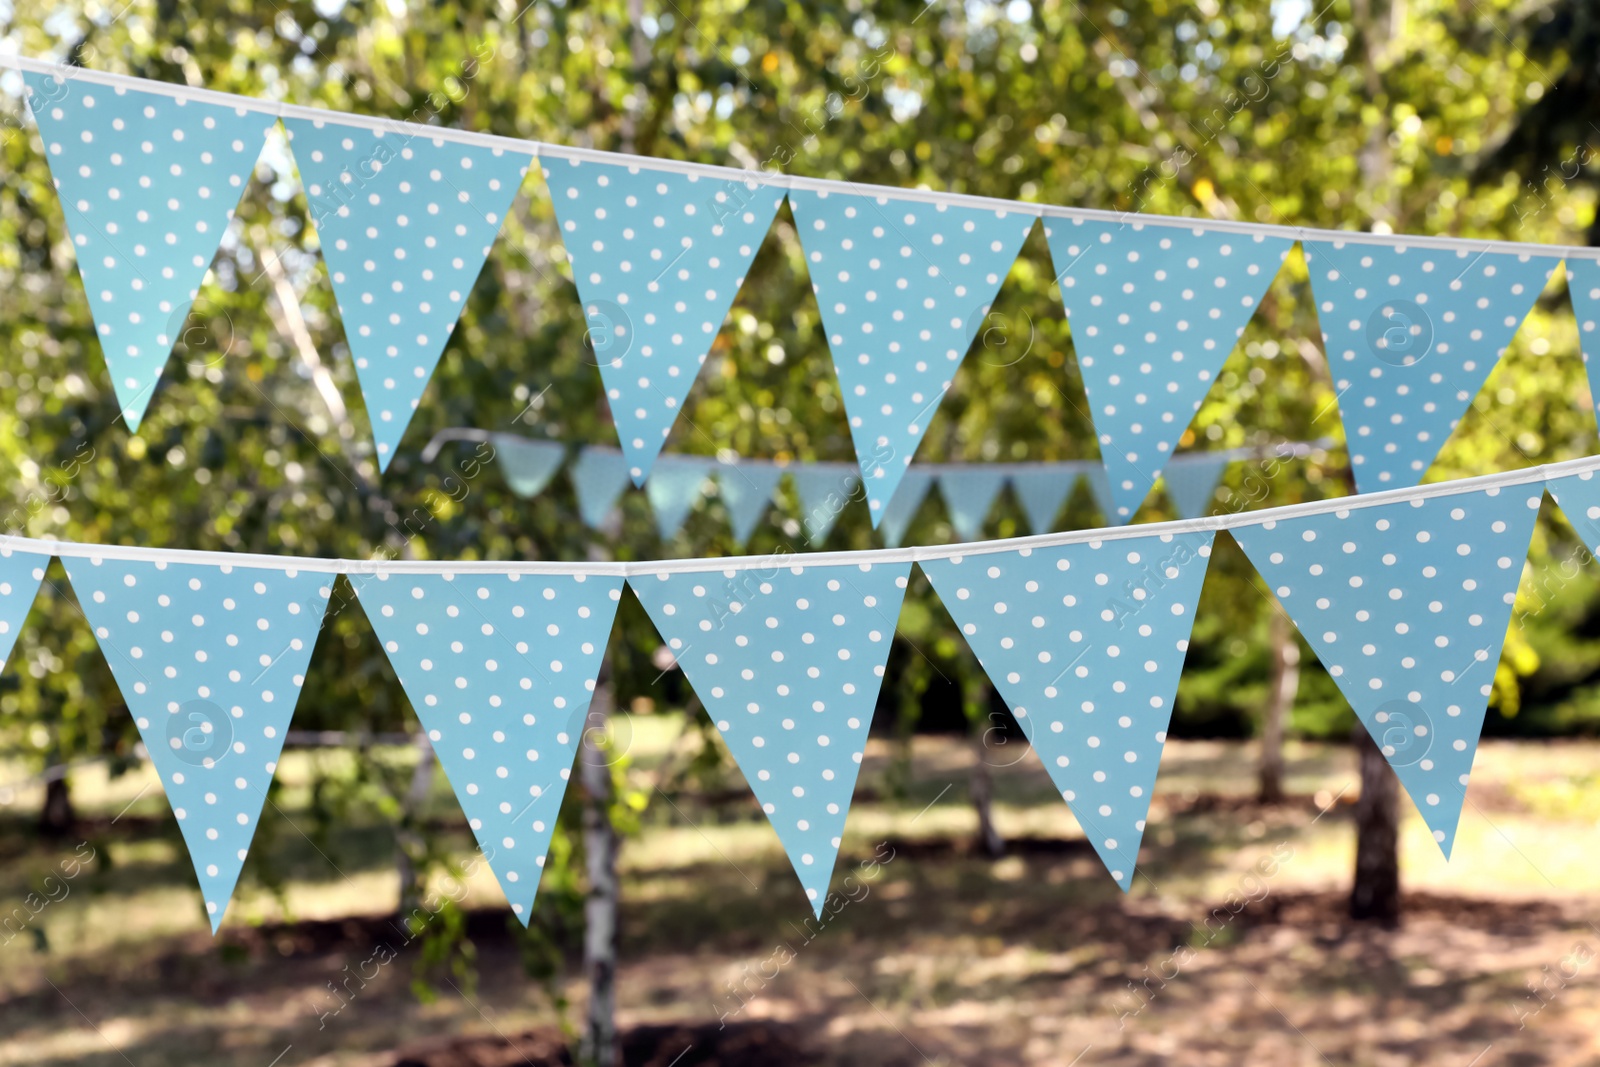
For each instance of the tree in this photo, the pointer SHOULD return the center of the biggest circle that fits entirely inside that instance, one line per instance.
(1282, 685)
(256, 440)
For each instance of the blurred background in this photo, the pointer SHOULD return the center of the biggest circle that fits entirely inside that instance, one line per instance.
(980, 927)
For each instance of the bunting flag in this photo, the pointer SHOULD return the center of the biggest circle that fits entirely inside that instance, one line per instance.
(1154, 312)
(1100, 490)
(528, 465)
(406, 222)
(1578, 497)
(1406, 605)
(20, 576)
(1411, 336)
(968, 496)
(788, 662)
(903, 506)
(599, 476)
(1583, 286)
(148, 184)
(903, 288)
(1043, 493)
(658, 258)
(1085, 642)
(500, 669)
(1192, 481)
(746, 490)
(674, 490)
(824, 493)
(210, 660)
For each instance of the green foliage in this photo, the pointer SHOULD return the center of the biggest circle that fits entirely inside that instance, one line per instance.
(254, 443)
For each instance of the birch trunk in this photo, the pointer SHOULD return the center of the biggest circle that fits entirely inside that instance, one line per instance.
(1280, 701)
(598, 1045)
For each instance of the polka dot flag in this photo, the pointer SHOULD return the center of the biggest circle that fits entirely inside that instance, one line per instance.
(599, 475)
(823, 493)
(658, 258)
(1192, 479)
(969, 495)
(210, 660)
(903, 288)
(20, 575)
(528, 465)
(1154, 311)
(148, 184)
(1406, 605)
(1042, 494)
(895, 519)
(1411, 336)
(1578, 496)
(1085, 642)
(677, 487)
(406, 223)
(500, 669)
(788, 662)
(746, 490)
(1583, 284)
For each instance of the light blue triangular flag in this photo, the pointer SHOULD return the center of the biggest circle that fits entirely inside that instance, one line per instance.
(1192, 481)
(1583, 286)
(1154, 312)
(500, 669)
(1086, 643)
(824, 492)
(1100, 490)
(968, 495)
(406, 222)
(148, 185)
(903, 506)
(746, 489)
(658, 258)
(674, 488)
(1406, 605)
(528, 465)
(1042, 491)
(1411, 335)
(787, 662)
(210, 660)
(1578, 497)
(20, 576)
(598, 475)
(903, 288)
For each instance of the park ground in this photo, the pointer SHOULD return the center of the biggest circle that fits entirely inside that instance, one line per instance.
(1231, 948)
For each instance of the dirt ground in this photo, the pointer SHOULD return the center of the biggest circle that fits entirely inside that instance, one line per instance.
(1232, 947)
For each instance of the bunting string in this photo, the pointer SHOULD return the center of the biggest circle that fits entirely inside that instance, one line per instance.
(1404, 595)
(776, 179)
(406, 216)
(747, 486)
(1527, 476)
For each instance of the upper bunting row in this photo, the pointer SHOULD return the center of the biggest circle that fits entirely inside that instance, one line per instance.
(406, 217)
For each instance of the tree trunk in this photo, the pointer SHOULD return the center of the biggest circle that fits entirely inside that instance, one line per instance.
(407, 840)
(598, 1044)
(989, 838)
(1280, 701)
(56, 818)
(1375, 896)
(978, 701)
